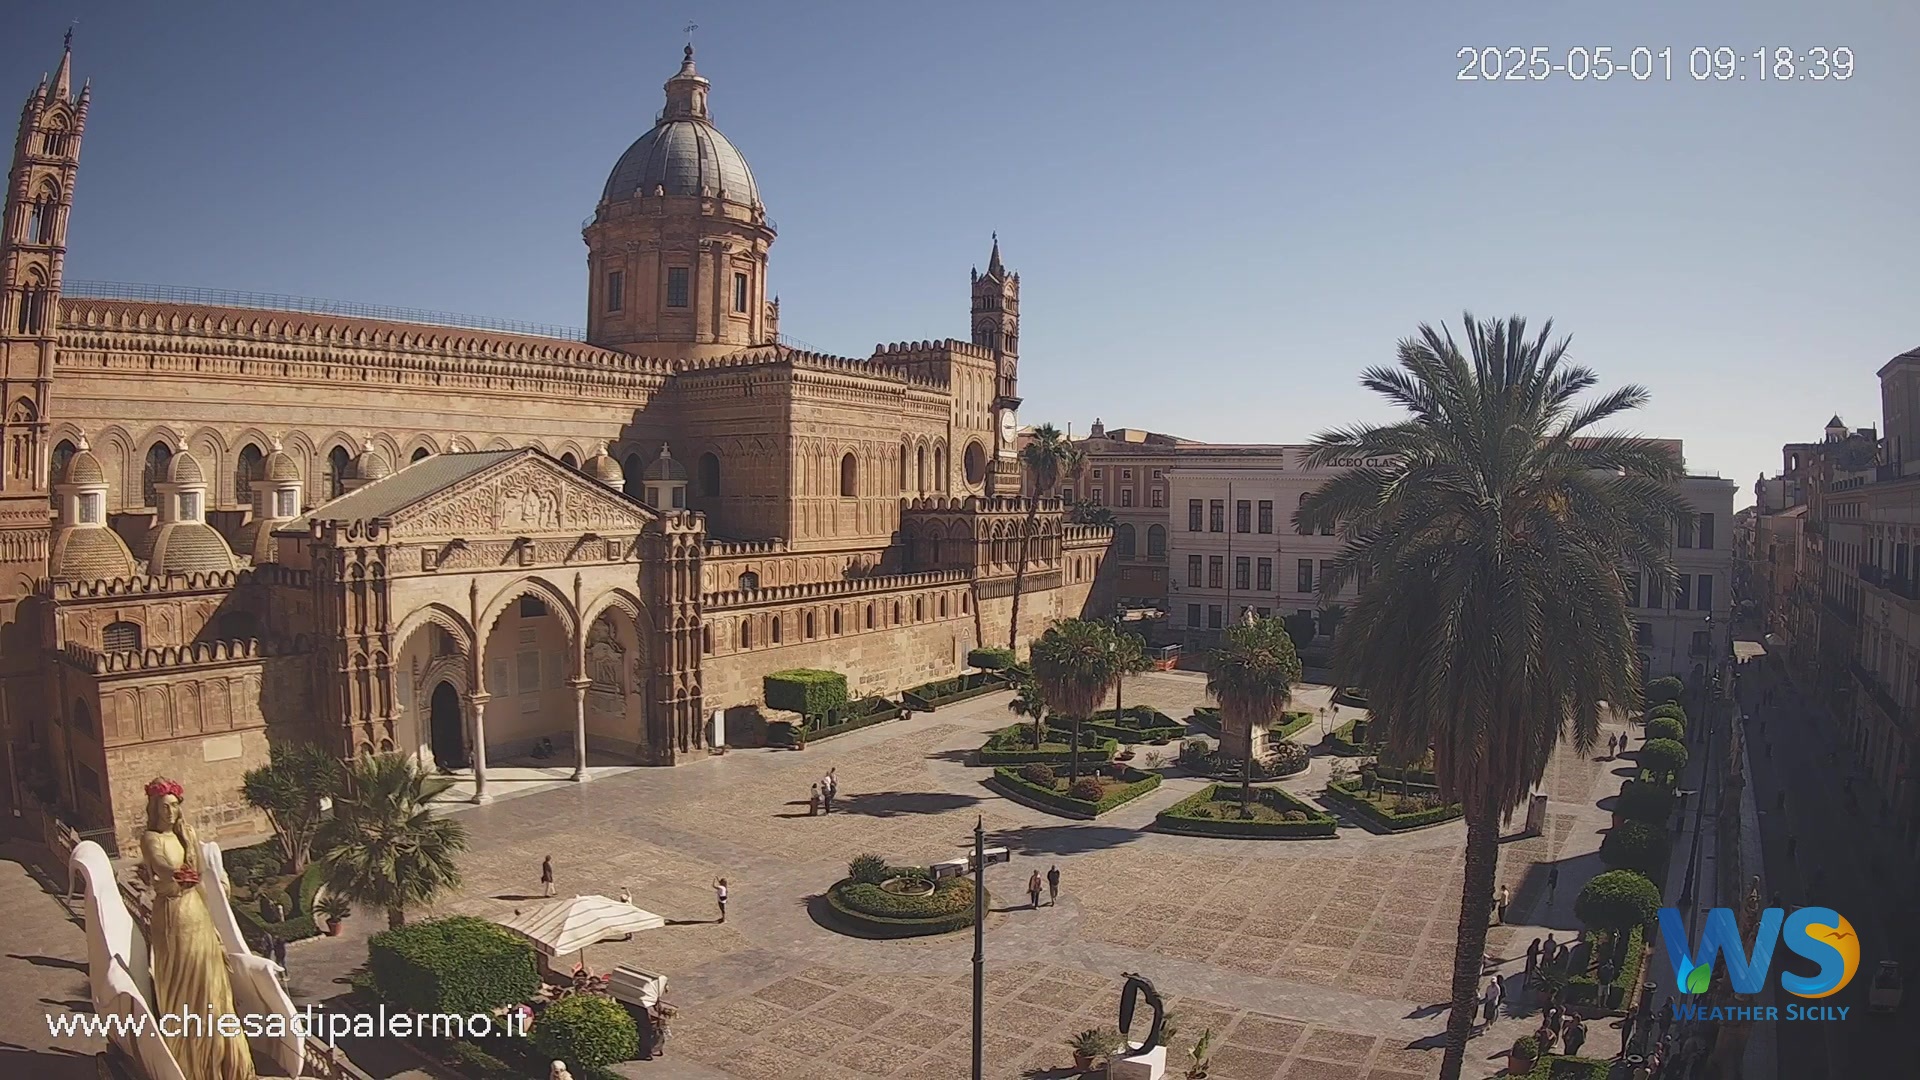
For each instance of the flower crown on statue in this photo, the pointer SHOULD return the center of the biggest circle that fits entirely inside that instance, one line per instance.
(163, 786)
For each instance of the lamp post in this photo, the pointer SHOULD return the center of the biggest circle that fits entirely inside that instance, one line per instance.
(982, 857)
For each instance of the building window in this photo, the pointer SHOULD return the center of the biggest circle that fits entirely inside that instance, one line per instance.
(1684, 532)
(1703, 592)
(85, 778)
(532, 607)
(836, 621)
(1157, 497)
(1643, 635)
(1266, 515)
(1156, 542)
(1706, 531)
(810, 625)
(1067, 493)
(1194, 510)
(1126, 474)
(1326, 529)
(189, 506)
(1099, 497)
(120, 637)
(1653, 593)
(740, 292)
(90, 509)
(1325, 566)
(338, 462)
(708, 470)
(1242, 572)
(1193, 615)
(1159, 474)
(869, 616)
(849, 477)
(1682, 592)
(1265, 612)
(1264, 578)
(1123, 541)
(676, 286)
(82, 716)
(1193, 572)
(1216, 571)
(1243, 516)
(1099, 474)
(749, 581)
(616, 290)
(1217, 515)
(1302, 527)
(1213, 616)
(1702, 643)
(1126, 496)
(1304, 577)
(285, 504)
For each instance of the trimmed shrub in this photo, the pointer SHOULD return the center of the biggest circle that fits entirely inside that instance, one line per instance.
(806, 691)
(1038, 773)
(865, 712)
(867, 870)
(1641, 801)
(870, 909)
(1617, 900)
(1636, 845)
(1194, 814)
(1086, 789)
(1663, 757)
(1660, 691)
(1016, 786)
(1013, 745)
(929, 696)
(1665, 727)
(587, 1031)
(1286, 758)
(1671, 708)
(1412, 812)
(458, 964)
(991, 659)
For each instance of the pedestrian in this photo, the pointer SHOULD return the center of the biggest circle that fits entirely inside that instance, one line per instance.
(1490, 1001)
(813, 800)
(826, 794)
(1575, 1036)
(1533, 963)
(1626, 1034)
(1053, 885)
(1666, 1016)
(1547, 952)
(720, 896)
(1553, 879)
(1033, 890)
(625, 896)
(830, 788)
(1608, 972)
(1503, 903)
(546, 875)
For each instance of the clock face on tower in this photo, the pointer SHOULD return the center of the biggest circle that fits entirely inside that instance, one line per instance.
(1009, 431)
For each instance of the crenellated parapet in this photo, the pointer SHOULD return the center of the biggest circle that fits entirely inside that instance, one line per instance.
(1086, 536)
(169, 658)
(826, 590)
(732, 549)
(149, 585)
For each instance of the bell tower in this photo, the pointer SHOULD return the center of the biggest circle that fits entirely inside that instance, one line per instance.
(33, 248)
(996, 327)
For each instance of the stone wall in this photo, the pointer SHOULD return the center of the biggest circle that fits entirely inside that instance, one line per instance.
(885, 660)
(209, 768)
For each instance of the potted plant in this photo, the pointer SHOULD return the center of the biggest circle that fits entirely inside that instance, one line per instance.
(1526, 1051)
(1089, 1044)
(800, 734)
(335, 908)
(1202, 1050)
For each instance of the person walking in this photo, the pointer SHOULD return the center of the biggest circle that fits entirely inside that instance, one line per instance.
(1626, 1034)
(1490, 1001)
(1574, 1037)
(1033, 890)
(1503, 904)
(720, 896)
(830, 788)
(813, 801)
(546, 876)
(1533, 963)
(1053, 885)
(1553, 880)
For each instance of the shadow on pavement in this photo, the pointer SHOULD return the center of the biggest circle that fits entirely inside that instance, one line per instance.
(897, 803)
(1061, 839)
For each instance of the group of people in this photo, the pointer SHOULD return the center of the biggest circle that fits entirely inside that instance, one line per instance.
(626, 897)
(1053, 887)
(824, 791)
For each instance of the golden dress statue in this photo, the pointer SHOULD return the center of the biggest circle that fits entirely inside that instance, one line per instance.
(189, 964)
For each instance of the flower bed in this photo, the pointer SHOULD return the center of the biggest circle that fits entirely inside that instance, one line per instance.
(1013, 745)
(870, 910)
(1283, 760)
(1380, 807)
(865, 712)
(930, 696)
(1343, 742)
(1207, 719)
(299, 923)
(1215, 811)
(1131, 784)
(1140, 723)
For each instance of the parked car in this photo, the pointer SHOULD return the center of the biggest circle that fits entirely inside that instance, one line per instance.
(1884, 994)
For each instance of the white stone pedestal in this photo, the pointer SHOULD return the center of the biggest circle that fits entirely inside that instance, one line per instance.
(1146, 1065)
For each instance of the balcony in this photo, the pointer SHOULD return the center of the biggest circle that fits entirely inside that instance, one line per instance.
(1840, 611)
(1877, 691)
(1871, 573)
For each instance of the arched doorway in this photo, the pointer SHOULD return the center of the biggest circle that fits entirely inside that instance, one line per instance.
(448, 728)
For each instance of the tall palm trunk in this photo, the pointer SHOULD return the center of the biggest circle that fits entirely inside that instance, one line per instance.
(1470, 936)
(396, 918)
(1246, 775)
(1073, 755)
(1020, 576)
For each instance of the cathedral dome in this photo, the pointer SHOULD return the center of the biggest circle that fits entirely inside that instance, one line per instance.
(665, 468)
(83, 469)
(684, 154)
(188, 547)
(279, 466)
(185, 468)
(88, 554)
(604, 468)
(371, 464)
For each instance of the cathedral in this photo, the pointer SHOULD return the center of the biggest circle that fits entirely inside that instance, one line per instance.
(226, 525)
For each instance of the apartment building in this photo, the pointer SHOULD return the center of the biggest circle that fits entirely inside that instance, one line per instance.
(1689, 631)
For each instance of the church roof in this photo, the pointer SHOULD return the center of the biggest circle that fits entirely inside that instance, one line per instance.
(683, 157)
(83, 469)
(88, 553)
(188, 547)
(385, 496)
(185, 469)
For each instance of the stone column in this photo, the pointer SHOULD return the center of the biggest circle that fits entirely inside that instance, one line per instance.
(580, 727)
(479, 703)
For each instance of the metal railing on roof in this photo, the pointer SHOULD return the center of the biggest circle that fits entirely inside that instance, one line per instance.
(179, 294)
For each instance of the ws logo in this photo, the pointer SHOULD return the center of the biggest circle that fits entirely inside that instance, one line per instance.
(1819, 934)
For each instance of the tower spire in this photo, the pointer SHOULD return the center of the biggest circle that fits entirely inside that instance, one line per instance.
(994, 269)
(63, 78)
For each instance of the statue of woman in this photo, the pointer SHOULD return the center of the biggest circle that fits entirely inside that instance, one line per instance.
(189, 964)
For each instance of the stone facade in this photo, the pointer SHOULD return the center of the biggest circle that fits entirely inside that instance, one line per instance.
(388, 535)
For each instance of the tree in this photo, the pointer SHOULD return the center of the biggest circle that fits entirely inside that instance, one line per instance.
(1252, 677)
(1299, 627)
(384, 847)
(1617, 901)
(1330, 618)
(1074, 663)
(290, 789)
(1131, 659)
(1028, 704)
(1492, 531)
(1049, 456)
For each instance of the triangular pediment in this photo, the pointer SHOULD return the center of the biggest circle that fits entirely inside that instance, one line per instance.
(521, 494)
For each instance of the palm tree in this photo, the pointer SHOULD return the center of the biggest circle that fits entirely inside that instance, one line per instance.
(1494, 622)
(1028, 703)
(1046, 458)
(383, 847)
(1252, 676)
(292, 789)
(1075, 662)
(1131, 660)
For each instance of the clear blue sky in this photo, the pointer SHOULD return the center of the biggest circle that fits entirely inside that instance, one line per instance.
(1220, 213)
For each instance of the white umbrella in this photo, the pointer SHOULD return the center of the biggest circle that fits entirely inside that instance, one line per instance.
(567, 926)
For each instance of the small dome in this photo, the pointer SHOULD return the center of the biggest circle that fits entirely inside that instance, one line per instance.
(279, 467)
(665, 468)
(602, 467)
(188, 547)
(83, 469)
(683, 157)
(185, 469)
(88, 553)
(255, 541)
(371, 464)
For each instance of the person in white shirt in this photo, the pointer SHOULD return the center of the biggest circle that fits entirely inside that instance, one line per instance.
(720, 896)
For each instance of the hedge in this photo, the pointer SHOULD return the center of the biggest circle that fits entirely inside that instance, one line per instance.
(872, 910)
(1661, 691)
(297, 926)
(807, 691)
(1348, 794)
(1207, 719)
(1643, 800)
(1617, 900)
(1012, 745)
(1284, 760)
(586, 1030)
(1561, 1067)
(458, 964)
(1636, 845)
(1669, 709)
(1663, 757)
(863, 713)
(1587, 989)
(991, 659)
(1141, 723)
(929, 696)
(1178, 817)
(1022, 790)
(1343, 742)
(1665, 727)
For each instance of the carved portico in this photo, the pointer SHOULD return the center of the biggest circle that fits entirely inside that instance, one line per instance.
(519, 588)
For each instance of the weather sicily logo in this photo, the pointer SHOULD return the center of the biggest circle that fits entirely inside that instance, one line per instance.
(1820, 935)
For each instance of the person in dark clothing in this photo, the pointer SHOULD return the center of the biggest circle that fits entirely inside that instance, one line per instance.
(1626, 1034)
(546, 875)
(1533, 963)
(1574, 1036)
(1053, 885)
